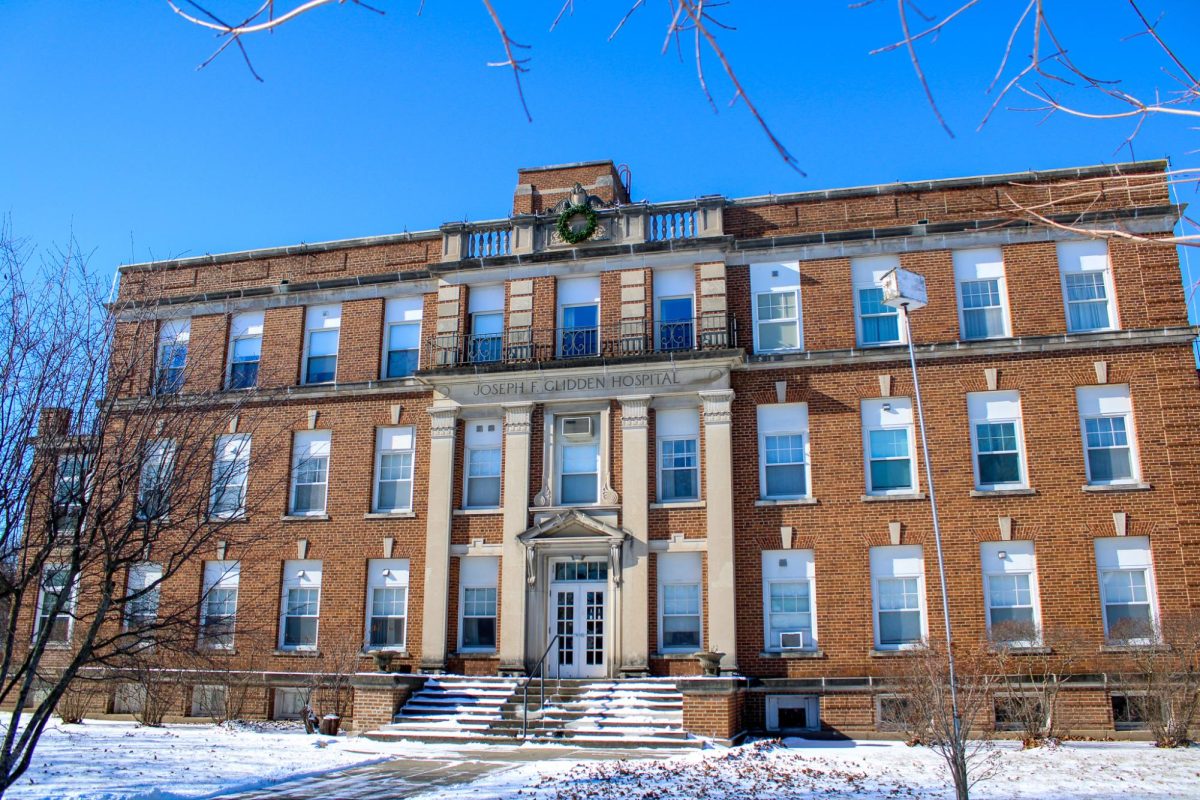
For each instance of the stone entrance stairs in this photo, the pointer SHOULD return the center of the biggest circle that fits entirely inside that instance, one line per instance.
(585, 713)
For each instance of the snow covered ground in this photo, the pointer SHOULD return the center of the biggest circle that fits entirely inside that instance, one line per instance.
(859, 770)
(109, 760)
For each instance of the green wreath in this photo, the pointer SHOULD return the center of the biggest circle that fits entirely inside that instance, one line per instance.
(564, 224)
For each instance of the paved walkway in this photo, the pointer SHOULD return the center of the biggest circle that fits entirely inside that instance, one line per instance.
(406, 777)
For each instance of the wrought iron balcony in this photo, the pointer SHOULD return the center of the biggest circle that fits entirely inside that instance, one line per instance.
(628, 339)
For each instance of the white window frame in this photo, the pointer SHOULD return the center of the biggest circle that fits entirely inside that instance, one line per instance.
(157, 474)
(244, 327)
(786, 567)
(321, 319)
(866, 273)
(679, 570)
(287, 698)
(67, 610)
(1011, 559)
(172, 333)
(138, 578)
(1111, 401)
(674, 284)
(393, 441)
(898, 562)
(478, 572)
(783, 419)
(777, 278)
(231, 464)
(225, 576)
(997, 408)
(560, 443)
(899, 416)
(308, 446)
(300, 575)
(387, 574)
(1087, 256)
(401, 312)
(480, 436)
(676, 425)
(976, 266)
(76, 488)
(1127, 554)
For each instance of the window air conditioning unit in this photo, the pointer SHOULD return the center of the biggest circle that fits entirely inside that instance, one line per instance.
(577, 427)
(792, 640)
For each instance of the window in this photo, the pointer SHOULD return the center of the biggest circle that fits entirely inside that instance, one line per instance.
(173, 338)
(679, 602)
(245, 349)
(218, 604)
(898, 589)
(982, 294)
(1127, 589)
(402, 336)
(289, 703)
(678, 435)
(209, 701)
(997, 438)
(674, 309)
(393, 470)
(477, 603)
(231, 470)
(322, 328)
(783, 451)
(889, 443)
(310, 472)
(776, 306)
(1011, 711)
(1010, 593)
(387, 603)
(789, 615)
(483, 455)
(69, 480)
(579, 317)
(301, 605)
(485, 304)
(156, 479)
(894, 712)
(877, 324)
(793, 712)
(1087, 286)
(578, 452)
(1106, 420)
(56, 587)
(142, 594)
(1131, 712)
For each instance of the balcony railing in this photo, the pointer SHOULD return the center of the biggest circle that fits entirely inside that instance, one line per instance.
(629, 339)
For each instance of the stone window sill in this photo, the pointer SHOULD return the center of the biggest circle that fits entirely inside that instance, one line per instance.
(305, 518)
(297, 653)
(1119, 487)
(797, 501)
(584, 508)
(390, 515)
(1022, 650)
(679, 656)
(901, 653)
(788, 654)
(218, 520)
(884, 498)
(394, 653)
(479, 655)
(1134, 648)
(477, 512)
(680, 504)
(1002, 492)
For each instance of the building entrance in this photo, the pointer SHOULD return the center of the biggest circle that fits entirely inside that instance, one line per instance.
(578, 613)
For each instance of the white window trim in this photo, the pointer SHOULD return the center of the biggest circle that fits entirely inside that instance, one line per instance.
(1034, 598)
(1151, 599)
(462, 608)
(323, 511)
(68, 607)
(387, 335)
(1005, 308)
(659, 468)
(922, 604)
(1023, 463)
(771, 646)
(229, 357)
(659, 321)
(130, 604)
(283, 616)
(308, 332)
(1109, 290)
(799, 321)
(239, 512)
(856, 285)
(912, 458)
(1135, 462)
(762, 466)
(379, 454)
(597, 441)
(225, 581)
(371, 587)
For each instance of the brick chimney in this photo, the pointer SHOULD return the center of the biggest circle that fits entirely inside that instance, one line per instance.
(540, 188)
(54, 422)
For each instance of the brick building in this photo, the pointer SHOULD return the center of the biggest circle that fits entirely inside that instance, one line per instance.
(622, 432)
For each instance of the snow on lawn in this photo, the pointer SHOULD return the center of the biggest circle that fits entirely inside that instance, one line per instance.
(110, 760)
(859, 770)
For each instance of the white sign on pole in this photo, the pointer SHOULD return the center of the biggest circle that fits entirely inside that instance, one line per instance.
(904, 288)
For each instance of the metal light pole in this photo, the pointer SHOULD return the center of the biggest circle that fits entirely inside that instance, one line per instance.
(903, 289)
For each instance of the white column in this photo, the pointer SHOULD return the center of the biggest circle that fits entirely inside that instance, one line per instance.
(437, 538)
(513, 587)
(635, 570)
(718, 488)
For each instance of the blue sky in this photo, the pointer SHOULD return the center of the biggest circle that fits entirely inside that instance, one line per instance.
(370, 125)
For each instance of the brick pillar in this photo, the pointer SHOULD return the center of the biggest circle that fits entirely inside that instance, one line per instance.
(360, 357)
(715, 708)
(283, 336)
(206, 353)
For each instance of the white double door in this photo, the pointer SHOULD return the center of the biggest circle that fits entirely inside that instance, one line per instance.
(578, 613)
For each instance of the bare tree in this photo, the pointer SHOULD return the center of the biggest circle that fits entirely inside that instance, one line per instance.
(1033, 667)
(108, 486)
(328, 687)
(1169, 679)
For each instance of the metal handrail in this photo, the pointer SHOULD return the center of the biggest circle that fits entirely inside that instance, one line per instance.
(540, 666)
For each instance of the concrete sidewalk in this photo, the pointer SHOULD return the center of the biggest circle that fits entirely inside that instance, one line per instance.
(406, 777)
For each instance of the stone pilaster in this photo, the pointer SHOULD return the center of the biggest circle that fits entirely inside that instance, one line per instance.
(718, 487)
(437, 537)
(513, 588)
(635, 571)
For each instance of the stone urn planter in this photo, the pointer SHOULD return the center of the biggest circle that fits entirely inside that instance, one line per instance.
(710, 663)
(330, 724)
(383, 661)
